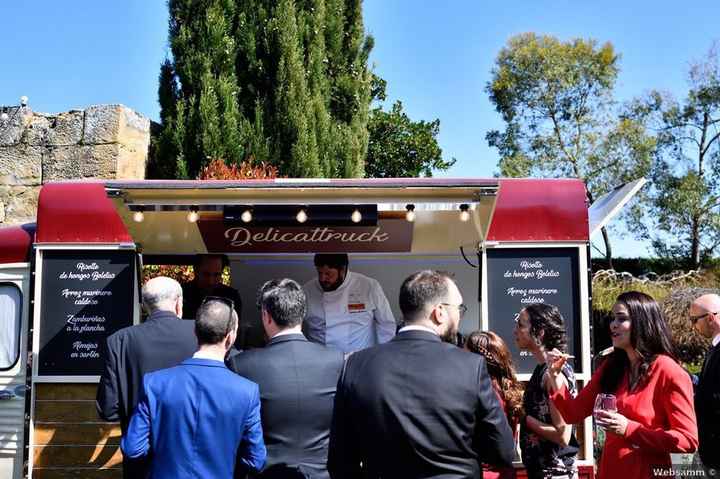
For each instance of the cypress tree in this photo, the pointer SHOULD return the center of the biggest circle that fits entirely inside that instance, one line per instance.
(285, 82)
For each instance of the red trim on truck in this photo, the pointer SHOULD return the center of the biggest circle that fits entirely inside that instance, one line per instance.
(540, 210)
(78, 212)
(16, 243)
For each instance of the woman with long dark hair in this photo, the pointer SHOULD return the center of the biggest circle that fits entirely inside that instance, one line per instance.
(508, 389)
(548, 446)
(654, 396)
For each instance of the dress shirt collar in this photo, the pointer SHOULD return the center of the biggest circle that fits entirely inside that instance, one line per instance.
(716, 340)
(204, 355)
(286, 332)
(417, 327)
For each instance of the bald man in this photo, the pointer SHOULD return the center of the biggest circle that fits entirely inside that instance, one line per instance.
(163, 341)
(705, 318)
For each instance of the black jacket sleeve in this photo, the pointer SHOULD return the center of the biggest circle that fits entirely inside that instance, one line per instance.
(493, 436)
(107, 400)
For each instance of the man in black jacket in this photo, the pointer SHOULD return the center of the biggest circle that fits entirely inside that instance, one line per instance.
(163, 341)
(419, 406)
(297, 382)
(705, 318)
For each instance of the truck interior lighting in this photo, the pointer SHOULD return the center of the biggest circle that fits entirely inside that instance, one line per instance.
(464, 213)
(301, 217)
(356, 216)
(139, 216)
(246, 216)
(193, 215)
(410, 215)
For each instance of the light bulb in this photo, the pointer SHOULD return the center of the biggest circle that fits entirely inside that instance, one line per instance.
(464, 213)
(23, 100)
(138, 216)
(410, 215)
(246, 216)
(4, 116)
(301, 217)
(356, 216)
(193, 216)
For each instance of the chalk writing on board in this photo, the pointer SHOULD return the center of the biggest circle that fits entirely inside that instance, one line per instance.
(86, 296)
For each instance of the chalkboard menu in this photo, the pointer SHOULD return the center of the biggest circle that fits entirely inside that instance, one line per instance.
(518, 277)
(85, 297)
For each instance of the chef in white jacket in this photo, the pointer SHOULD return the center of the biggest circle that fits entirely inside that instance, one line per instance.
(346, 310)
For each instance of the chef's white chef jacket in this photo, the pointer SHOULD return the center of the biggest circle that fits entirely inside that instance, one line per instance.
(355, 316)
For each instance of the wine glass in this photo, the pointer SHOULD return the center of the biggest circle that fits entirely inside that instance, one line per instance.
(604, 402)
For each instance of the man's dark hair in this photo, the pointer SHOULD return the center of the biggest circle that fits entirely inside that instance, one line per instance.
(421, 289)
(215, 319)
(200, 257)
(547, 318)
(331, 260)
(284, 300)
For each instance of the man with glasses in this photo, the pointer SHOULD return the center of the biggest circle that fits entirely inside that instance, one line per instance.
(297, 382)
(419, 406)
(162, 341)
(196, 419)
(705, 318)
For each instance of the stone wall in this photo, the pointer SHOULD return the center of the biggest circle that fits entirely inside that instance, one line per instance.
(102, 141)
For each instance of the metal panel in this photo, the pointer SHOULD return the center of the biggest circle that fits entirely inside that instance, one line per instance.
(78, 212)
(12, 382)
(540, 210)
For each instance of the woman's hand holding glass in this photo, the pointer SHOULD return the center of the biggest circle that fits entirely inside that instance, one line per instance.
(606, 415)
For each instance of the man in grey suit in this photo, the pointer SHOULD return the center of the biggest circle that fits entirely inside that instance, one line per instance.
(297, 382)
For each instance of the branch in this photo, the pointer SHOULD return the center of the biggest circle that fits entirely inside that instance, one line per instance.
(570, 158)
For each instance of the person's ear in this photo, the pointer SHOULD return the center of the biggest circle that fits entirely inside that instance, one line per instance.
(438, 314)
(179, 307)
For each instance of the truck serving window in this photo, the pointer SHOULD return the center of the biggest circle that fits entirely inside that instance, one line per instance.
(10, 318)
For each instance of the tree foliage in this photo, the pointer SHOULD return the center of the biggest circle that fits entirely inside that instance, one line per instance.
(683, 214)
(400, 147)
(282, 82)
(556, 99)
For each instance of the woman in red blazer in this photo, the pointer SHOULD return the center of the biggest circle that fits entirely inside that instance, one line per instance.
(655, 413)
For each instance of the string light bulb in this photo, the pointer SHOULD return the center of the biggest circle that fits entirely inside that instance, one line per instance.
(193, 215)
(246, 216)
(356, 216)
(301, 216)
(464, 213)
(139, 216)
(410, 215)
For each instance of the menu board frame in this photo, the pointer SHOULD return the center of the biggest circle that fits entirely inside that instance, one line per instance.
(38, 295)
(581, 322)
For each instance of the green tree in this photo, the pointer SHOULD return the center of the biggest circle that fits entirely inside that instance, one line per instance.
(282, 82)
(683, 214)
(556, 99)
(400, 147)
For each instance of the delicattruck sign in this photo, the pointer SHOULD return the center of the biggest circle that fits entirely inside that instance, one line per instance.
(390, 235)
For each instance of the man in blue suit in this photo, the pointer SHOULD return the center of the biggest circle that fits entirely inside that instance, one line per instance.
(196, 418)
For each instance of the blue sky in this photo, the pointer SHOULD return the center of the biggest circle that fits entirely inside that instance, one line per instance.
(435, 56)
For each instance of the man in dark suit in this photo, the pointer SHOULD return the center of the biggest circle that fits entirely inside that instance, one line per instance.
(162, 341)
(419, 406)
(194, 418)
(705, 318)
(297, 382)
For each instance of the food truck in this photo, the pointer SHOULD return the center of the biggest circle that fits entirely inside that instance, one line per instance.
(73, 278)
